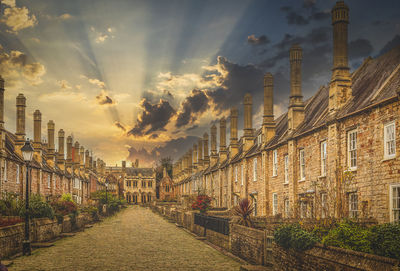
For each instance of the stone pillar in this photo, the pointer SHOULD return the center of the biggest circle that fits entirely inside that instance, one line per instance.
(206, 154)
(340, 86)
(50, 136)
(234, 132)
(296, 105)
(20, 133)
(37, 135)
(268, 118)
(248, 122)
(222, 140)
(214, 154)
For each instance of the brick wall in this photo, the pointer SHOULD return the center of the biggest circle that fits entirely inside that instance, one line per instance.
(247, 243)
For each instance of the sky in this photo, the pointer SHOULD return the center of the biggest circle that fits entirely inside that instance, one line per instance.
(134, 79)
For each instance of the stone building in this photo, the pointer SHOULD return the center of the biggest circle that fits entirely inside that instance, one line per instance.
(166, 187)
(51, 173)
(334, 154)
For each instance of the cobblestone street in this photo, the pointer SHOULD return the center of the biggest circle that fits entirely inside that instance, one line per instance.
(135, 239)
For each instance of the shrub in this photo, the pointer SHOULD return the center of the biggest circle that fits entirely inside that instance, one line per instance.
(385, 240)
(202, 203)
(10, 204)
(244, 210)
(293, 236)
(93, 211)
(38, 208)
(349, 235)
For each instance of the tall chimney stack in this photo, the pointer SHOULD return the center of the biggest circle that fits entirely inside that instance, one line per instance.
(1, 105)
(268, 118)
(190, 160)
(206, 156)
(50, 136)
(195, 160)
(340, 86)
(214, 154)
(76, 155)
(69, 151)
(200, 154)
(37, 135)
(61, 136)
(248, 122)
(234, 132)
(20, 133)
(296, 105)
(82, 158)
(87, 159)
(222, 140)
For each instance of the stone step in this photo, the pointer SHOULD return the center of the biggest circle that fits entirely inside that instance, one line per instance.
(41, 245)
(249, 267)
(88, 226)
(67, 234)
(201, 238)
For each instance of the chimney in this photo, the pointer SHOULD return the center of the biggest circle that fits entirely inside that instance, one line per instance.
(87, 159)
(268, 118)
(340, 87)
(296, 105)
(234, 132)
(248, 122)
(165, 174)
(94, 165)
(195, 163)
(222, 140)
(200, 154)
(206, 156)
(51, 147)
(20, 133)
(82, 158)
(76, 155)
(69, 151)
(190, 160)
(214, 154)
(137, 163)
(1, 104)
(60, 157)
(37, 135)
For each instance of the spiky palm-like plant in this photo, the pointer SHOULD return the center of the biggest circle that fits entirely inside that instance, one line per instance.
(244, 210)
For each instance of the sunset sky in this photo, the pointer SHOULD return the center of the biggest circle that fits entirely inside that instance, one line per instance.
(143, 79)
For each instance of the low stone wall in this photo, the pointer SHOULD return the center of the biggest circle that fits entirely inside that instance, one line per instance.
(248, 243)
(42, 229)
(330, 258)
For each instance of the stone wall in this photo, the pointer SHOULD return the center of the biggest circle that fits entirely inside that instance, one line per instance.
(330, 258)
(248, 243)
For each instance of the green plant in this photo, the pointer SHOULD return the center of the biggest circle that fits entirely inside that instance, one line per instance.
(10, 204)
(202, 203)
(293, 236)
(38, 208)
(66, 197)
(385, 240)
(349, 235)
(244, 210)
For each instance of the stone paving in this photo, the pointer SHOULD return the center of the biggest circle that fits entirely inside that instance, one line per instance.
(134, 239)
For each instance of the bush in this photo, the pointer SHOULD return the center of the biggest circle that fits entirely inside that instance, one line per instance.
(244, 210)
(93, 211)
(385, 240)
(10, 204)
(38, 208)
(293, 236)
(349, 235)
(202, 203)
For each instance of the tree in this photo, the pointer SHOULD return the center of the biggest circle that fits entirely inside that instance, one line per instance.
(165, 162)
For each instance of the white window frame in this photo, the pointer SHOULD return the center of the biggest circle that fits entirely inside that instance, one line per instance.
(17, 173)
(255, 169)
(302, 162)
(274, 203)
(394, 206)
(286, 204)
(242, 171)
(286, 169)
(323, 157)
(275, 163)
(389, 140)
(353, 205)
(352, 149)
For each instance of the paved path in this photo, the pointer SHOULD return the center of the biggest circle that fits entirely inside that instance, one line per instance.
(134, 239)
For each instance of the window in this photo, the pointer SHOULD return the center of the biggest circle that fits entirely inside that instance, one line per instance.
(17, 173)
(259, 139)
(236, 174)
(241, 166)
(48, 181)
(4, 170)
(352, 149)
(287, 208)
(150, 184)
(302, 165)
(323, 158)
(390, 140)
(143, 184)
(353, 205)
(275, 163)
(255, 169)
(303, 209)
(286, 168)
(134, 183)
(274, 203)
(324, 205)
(395, 203)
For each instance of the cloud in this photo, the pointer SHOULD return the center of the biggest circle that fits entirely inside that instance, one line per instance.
(120, 126)
(104, 99)
(65, 16)
(390, 45)
(18, 18)
(35, 40)
(15, 64)
(97, 82)
(195, 104)
(297, 17)
(253, 40)
(101, 37)
(63, 84)
(153, 118)
(360, 48)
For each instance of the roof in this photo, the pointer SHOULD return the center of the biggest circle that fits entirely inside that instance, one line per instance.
(136, 171)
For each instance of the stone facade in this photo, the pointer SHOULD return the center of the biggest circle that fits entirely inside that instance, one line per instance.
(334, 155)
